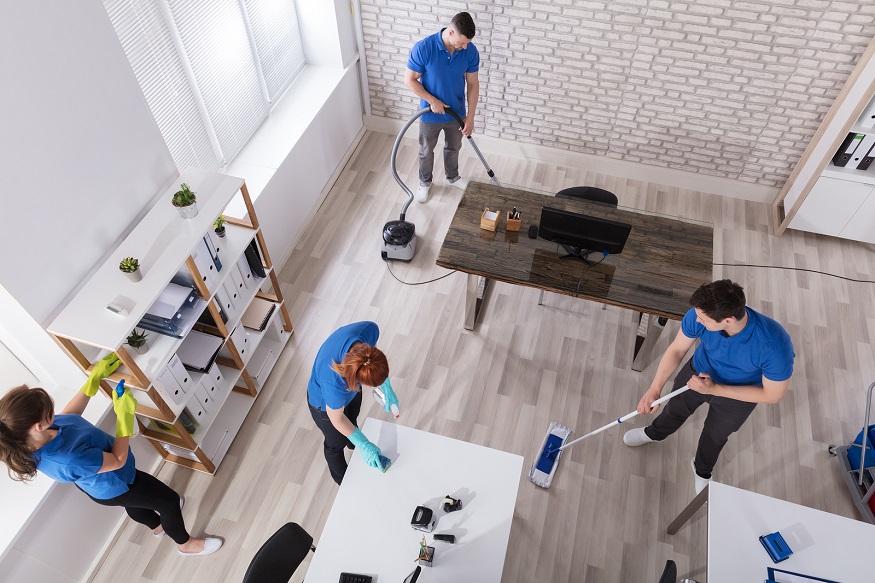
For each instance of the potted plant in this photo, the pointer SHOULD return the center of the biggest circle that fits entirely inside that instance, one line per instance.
(219, 226)
(131, 267)
(137, 341)
(185, 201)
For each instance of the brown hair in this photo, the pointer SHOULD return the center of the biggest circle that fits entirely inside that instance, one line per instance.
(20, 409)
(363, 364)
(464, 25)
(720, 300)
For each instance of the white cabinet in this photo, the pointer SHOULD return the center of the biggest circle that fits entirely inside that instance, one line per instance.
(830, 205)
(190, 416)
(861, 227)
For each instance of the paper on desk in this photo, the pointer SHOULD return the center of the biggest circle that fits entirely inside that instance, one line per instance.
(491, 215)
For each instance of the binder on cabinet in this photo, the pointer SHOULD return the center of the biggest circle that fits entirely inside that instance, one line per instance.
(867, 120)
(862, 151)
(847, 149)
(867, 160)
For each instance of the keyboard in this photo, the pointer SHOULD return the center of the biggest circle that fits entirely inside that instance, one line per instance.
(353, 578)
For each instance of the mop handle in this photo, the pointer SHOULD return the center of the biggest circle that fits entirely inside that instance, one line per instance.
(659, 401)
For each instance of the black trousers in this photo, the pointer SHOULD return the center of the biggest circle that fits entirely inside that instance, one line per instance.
(151, 502)
(725, 417)
(335, 441)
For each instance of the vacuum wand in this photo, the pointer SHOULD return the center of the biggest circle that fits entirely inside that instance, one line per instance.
(474, 145)
(620, 420)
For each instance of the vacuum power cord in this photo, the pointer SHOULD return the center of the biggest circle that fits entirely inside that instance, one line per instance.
(417, 282)
(796, 269)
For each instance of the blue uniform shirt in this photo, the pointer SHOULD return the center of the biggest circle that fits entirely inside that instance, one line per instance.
(443, 75)
(326, 387)
(76, 455)
(762, 349)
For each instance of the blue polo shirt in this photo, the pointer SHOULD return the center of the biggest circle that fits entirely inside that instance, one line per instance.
(326, 387)
(76, 455)
(762, 349)
(443, 75)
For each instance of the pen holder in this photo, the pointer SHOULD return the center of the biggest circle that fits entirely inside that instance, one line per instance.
(513, 224)
(430, 560)
(489, 219)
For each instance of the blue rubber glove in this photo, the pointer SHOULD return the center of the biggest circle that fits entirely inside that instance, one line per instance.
(390, 397)
(369, 451)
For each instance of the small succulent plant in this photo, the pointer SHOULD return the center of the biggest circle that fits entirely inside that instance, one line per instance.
(184, 196)
(219, 223)
(129, 265)
(137, 338)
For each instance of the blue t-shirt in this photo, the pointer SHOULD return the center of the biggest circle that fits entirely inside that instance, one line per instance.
(326, 387)
(76, 455)
(762, 349)
(443, 75)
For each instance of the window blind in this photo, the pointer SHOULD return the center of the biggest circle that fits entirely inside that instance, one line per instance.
(148, 44)
(200, 64)
(277, 41)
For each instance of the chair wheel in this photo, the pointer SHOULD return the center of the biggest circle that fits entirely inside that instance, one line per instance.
(832, 451)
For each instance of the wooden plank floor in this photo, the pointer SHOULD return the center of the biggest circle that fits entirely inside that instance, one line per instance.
(605, 516)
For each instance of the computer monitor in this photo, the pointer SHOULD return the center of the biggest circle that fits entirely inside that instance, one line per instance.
(414, 575)
(581, 235)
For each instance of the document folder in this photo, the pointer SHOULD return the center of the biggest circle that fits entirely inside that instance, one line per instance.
(258, 313)
(198, 351)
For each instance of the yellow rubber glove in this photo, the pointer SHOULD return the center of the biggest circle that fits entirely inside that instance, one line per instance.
(124, 413)
(101, 369)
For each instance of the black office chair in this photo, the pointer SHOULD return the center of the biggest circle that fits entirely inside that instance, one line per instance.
(280, 555)
(586, 193)
(589, 193)
(670, 574)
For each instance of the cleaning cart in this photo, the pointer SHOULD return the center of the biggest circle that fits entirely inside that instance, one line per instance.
(857, 461)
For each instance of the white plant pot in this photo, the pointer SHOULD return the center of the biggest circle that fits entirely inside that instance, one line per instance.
(141, 349)
(188, 212)
(134, 276)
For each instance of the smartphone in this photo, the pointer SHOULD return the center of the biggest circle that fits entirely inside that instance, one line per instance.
(384, 463)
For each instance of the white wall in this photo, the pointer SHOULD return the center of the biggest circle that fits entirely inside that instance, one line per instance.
(83, 160)
(327, 31)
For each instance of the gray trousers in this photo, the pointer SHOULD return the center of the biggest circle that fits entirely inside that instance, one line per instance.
(428, 137)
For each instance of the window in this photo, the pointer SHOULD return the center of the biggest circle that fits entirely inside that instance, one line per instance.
(209, 69)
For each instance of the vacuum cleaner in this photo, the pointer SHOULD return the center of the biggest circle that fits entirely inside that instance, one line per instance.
(545, 465)
(399, 237)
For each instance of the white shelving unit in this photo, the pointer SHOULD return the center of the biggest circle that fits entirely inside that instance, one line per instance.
(191, 417)
(821, 197)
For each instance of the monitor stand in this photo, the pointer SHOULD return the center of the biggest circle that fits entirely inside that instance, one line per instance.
(576, 253)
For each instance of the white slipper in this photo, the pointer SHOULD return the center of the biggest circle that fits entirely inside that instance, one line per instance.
(211, 545)
(160, 535)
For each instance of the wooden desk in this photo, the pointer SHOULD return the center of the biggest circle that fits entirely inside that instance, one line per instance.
(368, 530)
(665, 259)
(824, 545)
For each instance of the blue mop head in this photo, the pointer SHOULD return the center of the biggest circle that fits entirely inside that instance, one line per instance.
(549, 453)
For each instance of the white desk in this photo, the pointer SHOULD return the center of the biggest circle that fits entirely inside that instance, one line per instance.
(824, 545)
(368, 530)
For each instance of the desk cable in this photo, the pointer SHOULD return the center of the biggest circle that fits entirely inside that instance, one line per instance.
(582, 275)
(417, 282)
(796, 269)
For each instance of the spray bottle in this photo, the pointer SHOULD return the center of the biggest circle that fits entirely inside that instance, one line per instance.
(381, 399)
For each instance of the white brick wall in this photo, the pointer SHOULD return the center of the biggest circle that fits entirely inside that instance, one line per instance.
(727, 88)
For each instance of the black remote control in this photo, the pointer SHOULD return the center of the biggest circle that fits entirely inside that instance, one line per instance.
(447, 538)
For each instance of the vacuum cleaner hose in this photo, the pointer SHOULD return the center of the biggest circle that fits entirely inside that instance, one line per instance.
(403, 131)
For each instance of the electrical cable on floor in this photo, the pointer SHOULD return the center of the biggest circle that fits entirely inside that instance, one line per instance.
(418, 282)
(796, 269)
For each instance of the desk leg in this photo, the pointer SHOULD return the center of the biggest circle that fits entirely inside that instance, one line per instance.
(644, 345)
(474, 298)
(688, 512)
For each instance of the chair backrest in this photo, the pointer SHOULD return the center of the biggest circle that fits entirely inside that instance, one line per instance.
(589, 193)
(279, 556)
(670, 573)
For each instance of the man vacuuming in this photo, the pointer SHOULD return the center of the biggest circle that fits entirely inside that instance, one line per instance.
(744, 358)
(438, 70)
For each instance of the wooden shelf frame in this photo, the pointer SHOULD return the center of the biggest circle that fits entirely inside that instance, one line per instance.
(138, 380)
